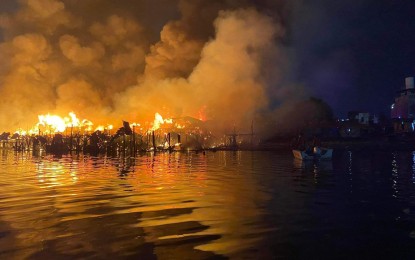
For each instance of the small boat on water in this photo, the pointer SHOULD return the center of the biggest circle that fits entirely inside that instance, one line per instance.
(318, 153)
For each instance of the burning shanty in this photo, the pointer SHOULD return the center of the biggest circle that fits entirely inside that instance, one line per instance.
(56, 134)
(113, 67)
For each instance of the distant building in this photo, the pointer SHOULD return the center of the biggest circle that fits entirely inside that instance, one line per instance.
(360, 117)
(403, 110)
(358, 124)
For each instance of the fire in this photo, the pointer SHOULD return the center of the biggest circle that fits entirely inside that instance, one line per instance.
(104, 128)
(21, 132)
(202, 114)
(100, 128)
(51, 123)
(74, 119)
(87, 124)
(57, 124)
(165, 133)
(158, 121)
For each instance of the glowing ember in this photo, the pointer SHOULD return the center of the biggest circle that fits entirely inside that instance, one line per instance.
(179, 126)
(202, 114)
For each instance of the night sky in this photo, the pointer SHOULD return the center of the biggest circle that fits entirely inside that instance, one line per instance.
(353, 54)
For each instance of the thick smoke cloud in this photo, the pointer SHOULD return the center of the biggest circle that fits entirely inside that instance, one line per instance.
(224, 61)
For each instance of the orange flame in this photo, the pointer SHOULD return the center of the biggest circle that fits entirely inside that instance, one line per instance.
(104, 128)
(158, 121)
(58, 124)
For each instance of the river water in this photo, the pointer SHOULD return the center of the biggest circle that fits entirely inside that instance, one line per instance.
(209, 205)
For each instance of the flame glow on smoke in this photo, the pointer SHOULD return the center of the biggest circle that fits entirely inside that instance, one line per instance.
(213, 62)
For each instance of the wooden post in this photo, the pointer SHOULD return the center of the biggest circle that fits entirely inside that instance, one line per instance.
(168, 136)
(134, 145)
(154, 141)
(123, 144)
(252, 133)
(70, 140)
(148, 139)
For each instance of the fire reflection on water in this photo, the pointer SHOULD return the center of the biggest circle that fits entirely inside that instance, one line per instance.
(198, 205)
(159, 190)
(55, 174)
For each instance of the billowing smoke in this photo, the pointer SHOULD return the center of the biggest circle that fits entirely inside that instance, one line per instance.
(223, 61)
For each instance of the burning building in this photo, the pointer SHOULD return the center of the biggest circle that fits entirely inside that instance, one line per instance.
(206, 61)
(403, 109)
(225, 63)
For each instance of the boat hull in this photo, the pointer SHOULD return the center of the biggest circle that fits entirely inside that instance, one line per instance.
(324, 154)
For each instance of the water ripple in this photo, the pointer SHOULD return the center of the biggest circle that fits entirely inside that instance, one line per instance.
(202, 205)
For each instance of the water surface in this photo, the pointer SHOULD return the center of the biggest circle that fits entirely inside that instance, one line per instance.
(208, 206)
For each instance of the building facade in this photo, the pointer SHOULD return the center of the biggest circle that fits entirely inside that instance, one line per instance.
(403, 109)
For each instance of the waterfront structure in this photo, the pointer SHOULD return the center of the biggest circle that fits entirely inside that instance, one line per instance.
(358, 124)
(364, 118)
(403, 109)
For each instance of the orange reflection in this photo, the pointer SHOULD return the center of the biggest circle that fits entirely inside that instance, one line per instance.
(170, 196)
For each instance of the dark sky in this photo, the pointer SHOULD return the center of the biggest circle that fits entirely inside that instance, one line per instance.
(353, 54)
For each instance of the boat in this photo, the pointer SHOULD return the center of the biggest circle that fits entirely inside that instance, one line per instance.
(318, 153)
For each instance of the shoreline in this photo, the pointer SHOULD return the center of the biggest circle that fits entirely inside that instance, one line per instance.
(361, 144)
(284, 145)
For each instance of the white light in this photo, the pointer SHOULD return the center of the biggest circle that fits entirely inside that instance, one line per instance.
(393, 106)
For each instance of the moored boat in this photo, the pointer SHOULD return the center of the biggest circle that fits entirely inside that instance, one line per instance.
(318, 153)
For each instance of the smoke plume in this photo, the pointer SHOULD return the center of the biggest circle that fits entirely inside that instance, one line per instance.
(224, 61)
